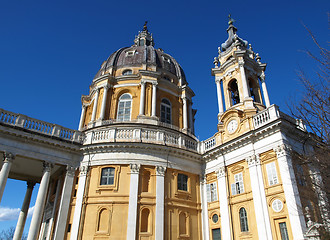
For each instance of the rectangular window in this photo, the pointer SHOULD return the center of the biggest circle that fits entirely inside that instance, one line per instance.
(238, 186)
(271, 173)
(182, 182)
(216, 234)
(211, 192)
(108, 176)
(284, 231)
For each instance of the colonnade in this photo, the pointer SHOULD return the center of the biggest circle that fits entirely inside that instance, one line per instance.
(39, 207)
(188, 122)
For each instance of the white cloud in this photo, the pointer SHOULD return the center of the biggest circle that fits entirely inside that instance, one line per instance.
(8, 214)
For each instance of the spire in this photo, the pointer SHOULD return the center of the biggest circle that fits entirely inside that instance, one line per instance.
(232, 36)
(144, 38)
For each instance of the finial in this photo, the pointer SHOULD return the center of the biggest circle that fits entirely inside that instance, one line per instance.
(230, 20)
(145, 26)
(258, 58)
(216, 62)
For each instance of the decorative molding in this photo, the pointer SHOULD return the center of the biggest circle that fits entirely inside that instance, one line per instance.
(8, 157)
(282, 150)
(221, 172)
(135, 168)
(160, 171)
(241, 62)
(202, 179)
(70, 171)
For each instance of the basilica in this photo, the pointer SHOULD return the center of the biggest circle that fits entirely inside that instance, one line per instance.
(135, 170)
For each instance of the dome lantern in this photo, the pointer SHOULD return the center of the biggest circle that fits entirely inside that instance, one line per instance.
(144, 38)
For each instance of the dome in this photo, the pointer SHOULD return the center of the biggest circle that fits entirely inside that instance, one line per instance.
(142, 52)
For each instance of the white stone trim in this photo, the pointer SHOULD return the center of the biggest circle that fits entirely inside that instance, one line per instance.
(8, 160)
(205, 215)
(160, 196)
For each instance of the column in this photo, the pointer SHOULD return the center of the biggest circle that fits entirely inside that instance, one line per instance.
(159, 226)
(132, 205)
(259, 198)
(223, 199)
(24, 212)
(219, 93)
(243, 79)
(62, 216)
(185, 110)
(51, 221)
(264, 89)
(154, 99)
(191, 122)
(142, 96)
(79, 201)
(104, 101)
(96, 99)
(205, 212)
(40, 203)
(8, 159)
(296, 217)
(82, 117)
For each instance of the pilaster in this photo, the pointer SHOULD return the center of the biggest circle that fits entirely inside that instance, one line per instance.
(205, 217)
(296, 217)
(159, 226)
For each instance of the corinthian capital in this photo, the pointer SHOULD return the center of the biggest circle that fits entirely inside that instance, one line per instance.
(160, 171)
(282, 150)
(135, 168)
(221, 172)
(8, 157)
(253, 160)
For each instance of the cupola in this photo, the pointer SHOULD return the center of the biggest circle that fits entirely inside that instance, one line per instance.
(238, 75)
(139, 84)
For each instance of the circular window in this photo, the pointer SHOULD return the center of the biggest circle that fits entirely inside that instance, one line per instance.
(215, 218)
(277, 205)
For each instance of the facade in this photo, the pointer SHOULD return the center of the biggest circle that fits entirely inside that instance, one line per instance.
(135, 169)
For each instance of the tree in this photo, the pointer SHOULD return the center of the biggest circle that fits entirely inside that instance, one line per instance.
(8, 234)
(313, 107)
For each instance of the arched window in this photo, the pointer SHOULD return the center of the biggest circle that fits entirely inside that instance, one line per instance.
(145, 220)
(107, 176)
(234, 94)
(124, 107)
(243, 220)
(166, 111)
(127, 72)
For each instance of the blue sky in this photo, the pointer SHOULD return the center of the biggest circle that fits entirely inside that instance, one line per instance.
(50, 51)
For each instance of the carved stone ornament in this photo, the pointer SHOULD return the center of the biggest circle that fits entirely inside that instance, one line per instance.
(135, 168)
(143, 81)
(47, 166)
(253, 160)
(8, 157)
(70, 170)
(83, 170)
(221, 172)
(262, 76)
(282, 150)
(160, 171)
(241, 63)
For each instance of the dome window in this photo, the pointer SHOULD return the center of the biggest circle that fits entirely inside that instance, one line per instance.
(166, 59)
(130, 53)
(127, 72)
(167, 78)
(124, 107)
(166, 111)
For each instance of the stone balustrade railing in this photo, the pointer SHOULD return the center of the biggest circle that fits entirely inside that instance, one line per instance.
(41, 127)
(208, 144)
(115, 133)
(266, 116)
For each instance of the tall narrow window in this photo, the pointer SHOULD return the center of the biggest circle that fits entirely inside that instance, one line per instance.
(182, 182)
(243, 220)
(124, 107)
(271, 173)
(238, 186)
(108, 176)
(165, 111)
(211, 190)
(284, 231)
(234, 94)
(216, 234)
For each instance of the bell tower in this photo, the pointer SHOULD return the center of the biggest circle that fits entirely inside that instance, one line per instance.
(239, 74)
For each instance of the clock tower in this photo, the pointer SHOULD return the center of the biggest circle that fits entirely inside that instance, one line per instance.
(239, 74)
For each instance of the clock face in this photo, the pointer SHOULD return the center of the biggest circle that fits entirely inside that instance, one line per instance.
(232, 126)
